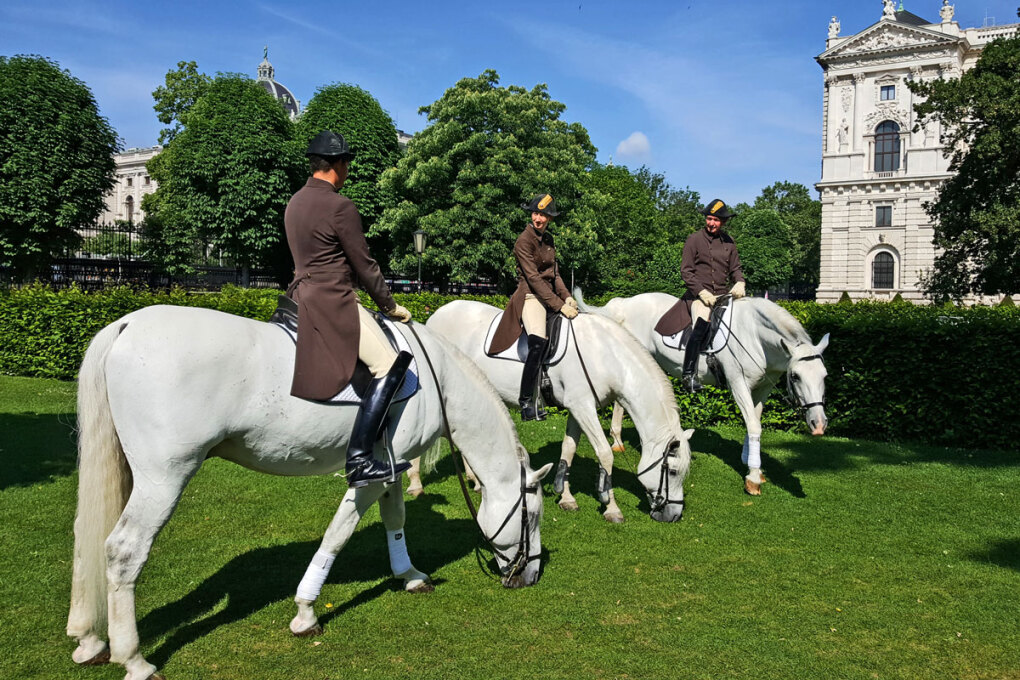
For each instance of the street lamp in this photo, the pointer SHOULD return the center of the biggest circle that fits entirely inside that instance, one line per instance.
(420, 239)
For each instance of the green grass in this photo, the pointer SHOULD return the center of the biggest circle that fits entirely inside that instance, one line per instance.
(861, 560)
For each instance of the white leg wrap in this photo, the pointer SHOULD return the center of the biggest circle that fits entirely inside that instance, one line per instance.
(754, 451)
(315, 576)
(743, 452)
(400, 562)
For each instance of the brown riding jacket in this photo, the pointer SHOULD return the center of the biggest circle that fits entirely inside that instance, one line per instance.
(330, 258)
(537, 274)
(709, 263)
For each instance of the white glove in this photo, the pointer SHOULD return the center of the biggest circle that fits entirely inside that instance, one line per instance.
(570, 301)
(399, 313)
(737, 290)
(707, 297)
(568, 311)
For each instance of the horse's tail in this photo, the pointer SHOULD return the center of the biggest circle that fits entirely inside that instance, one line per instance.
(104, 482)
(607, 311)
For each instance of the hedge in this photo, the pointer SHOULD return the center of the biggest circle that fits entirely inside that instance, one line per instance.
(897, 372)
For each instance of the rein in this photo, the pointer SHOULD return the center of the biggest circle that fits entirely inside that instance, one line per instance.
(790, 392)
(661, 500)
(517, 565)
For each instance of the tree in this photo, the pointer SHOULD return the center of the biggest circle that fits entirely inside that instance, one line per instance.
(357, 115)
(224, 179)
(765, 244)
(976, 213)
(183, 88)
(803, 215)
(56, 162)
(487, 150)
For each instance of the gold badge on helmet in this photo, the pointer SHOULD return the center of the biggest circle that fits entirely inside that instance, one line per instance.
(716, 206)
(544, 203)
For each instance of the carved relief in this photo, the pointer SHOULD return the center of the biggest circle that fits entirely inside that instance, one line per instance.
(885, 111)
(847, 98)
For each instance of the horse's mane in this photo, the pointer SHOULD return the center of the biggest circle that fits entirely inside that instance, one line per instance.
(775, 318)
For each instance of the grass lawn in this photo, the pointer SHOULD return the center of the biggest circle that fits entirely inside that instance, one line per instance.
(861, 560)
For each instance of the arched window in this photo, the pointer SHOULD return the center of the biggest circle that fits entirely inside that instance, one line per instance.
(129, 208)
(887, 147)
(882, 270)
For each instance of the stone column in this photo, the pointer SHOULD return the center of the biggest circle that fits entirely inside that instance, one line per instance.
(857, 132)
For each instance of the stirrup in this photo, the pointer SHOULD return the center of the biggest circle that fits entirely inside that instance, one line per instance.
(691, 383)
(375, 471)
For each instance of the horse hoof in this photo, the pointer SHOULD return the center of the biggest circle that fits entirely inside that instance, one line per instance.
(423, 587)
(99, 659)
(156, 676)
(752, 488)
(309, 632)
(569, 506)
(415, 491)
(619, 448)
(614, 518)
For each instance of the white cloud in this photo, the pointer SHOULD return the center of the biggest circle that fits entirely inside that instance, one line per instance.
(636, 146)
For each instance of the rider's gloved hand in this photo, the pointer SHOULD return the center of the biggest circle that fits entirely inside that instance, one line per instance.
(707, 297)
(568, 311)
(398, 313)
(737, 290)
(571, 302)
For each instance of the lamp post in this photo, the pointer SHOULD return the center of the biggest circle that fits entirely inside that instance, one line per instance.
(420, 239)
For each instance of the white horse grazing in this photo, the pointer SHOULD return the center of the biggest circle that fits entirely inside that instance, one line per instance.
(619, 370)
(164, 388)
(766, 341)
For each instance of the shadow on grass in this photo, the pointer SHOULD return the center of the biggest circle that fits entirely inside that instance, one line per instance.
(264, 576)
(728, 451)
(1004, 553)
(826, 454)
(36, 448)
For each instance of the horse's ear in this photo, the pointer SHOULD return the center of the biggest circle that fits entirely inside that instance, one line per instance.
(786, 348)
(535, 476)
(822, 344)
(689, 433)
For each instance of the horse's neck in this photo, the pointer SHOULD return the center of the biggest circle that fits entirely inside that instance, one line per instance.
(639, 385)
(481, 426)
(767, 340)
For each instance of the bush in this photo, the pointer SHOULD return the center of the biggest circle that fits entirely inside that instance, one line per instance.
(940, 375)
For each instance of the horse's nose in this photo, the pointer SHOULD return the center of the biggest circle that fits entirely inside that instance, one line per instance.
(669, 513)
(817, 427)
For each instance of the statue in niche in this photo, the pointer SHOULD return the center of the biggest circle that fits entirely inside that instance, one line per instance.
(888, 9)
(834, 27)
(947, 11)
(843, 136)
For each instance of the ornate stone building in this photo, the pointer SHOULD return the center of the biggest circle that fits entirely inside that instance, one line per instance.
(877, 171)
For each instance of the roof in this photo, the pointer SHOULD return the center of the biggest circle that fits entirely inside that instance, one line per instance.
(905, 17)
(281, 92)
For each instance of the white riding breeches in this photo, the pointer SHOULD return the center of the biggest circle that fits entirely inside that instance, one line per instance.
(699, 310)
(373, 347)
(533, 316)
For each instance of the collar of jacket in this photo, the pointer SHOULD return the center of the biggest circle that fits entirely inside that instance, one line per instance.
(317, 183)
(540, 234)
(717, 234)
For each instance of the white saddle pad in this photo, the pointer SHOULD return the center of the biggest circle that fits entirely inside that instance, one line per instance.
(717, 342)
(407, 388)
(519, 351)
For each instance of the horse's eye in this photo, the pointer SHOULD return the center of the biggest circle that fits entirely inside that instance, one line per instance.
(795, 378)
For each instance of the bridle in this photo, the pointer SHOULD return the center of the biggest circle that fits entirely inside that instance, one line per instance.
(661, 500)
(517, 565)
(792, 397)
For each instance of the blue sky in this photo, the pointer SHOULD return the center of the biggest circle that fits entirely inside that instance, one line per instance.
(724, 96)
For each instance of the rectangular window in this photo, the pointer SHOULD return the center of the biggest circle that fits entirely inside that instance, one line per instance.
(129, 179)
(883, 216)
(888, 92)
(146, 180)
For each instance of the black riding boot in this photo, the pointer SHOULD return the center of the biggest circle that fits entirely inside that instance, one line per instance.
(529, 379)
(689, 379)
(362, 467)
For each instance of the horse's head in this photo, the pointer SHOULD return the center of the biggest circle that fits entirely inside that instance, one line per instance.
(512, 529)
(805, 382)
(661, 471)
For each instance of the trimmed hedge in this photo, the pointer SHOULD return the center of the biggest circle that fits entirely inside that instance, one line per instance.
(896, 371)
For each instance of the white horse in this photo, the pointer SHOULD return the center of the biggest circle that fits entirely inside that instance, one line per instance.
(766, 341)
(164, 388)
(619, 370)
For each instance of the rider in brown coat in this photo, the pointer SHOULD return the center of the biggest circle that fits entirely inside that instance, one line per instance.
(330, 258)
(710, 261)
(540, 291)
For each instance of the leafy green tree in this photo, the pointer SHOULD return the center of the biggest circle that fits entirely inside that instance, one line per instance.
(354, 113)
(224, 179)
(803, 215)
(56, 162)
(488, 149)
(765, 244)
(976, 213)
(182, 89)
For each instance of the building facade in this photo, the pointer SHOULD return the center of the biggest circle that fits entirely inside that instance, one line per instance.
(124, 203)
(877, 170)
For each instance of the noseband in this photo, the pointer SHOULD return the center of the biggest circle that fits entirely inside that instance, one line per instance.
(661, 500)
